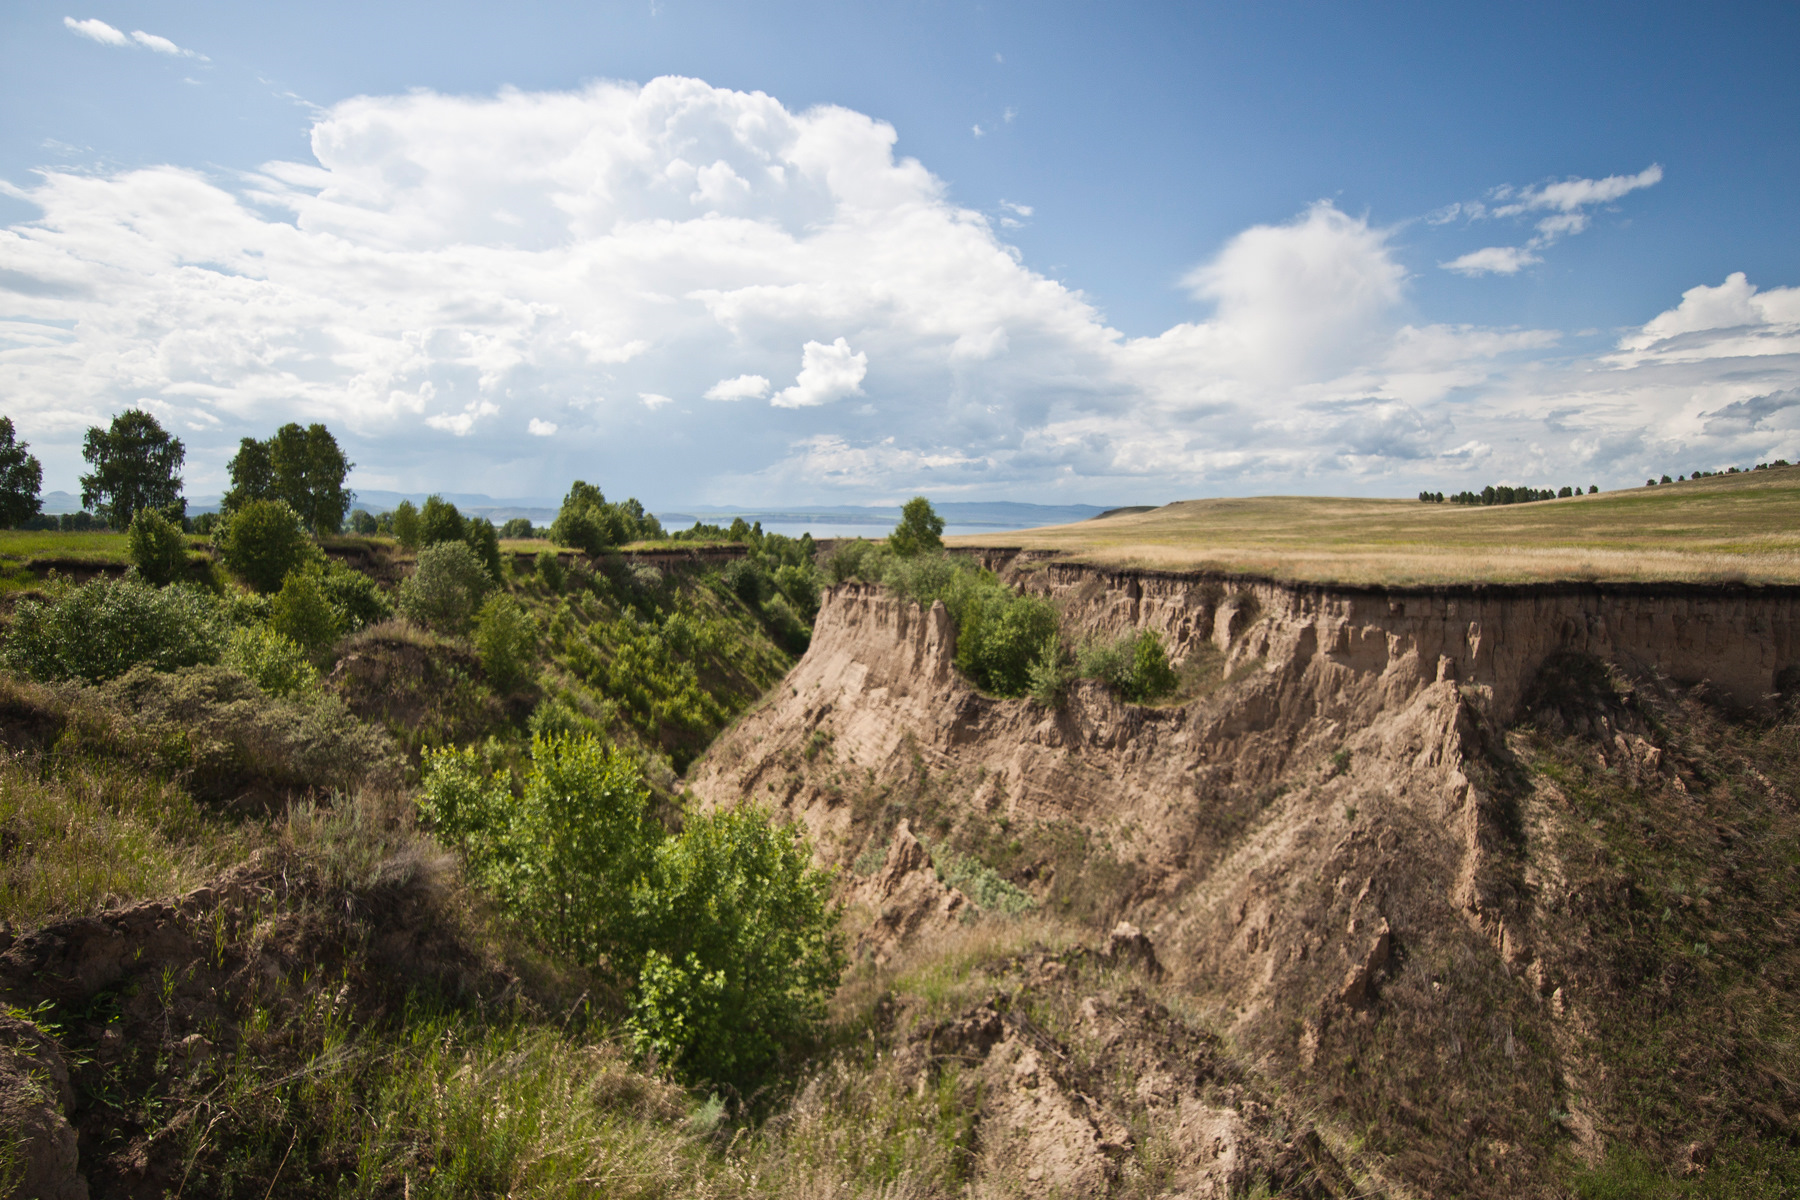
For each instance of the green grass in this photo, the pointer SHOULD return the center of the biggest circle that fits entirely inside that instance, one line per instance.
(32, 545)
(1731, 528)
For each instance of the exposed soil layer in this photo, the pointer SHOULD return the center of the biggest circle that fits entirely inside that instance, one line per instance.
(1348, 844)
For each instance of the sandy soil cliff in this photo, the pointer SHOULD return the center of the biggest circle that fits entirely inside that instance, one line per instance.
(1328, 849)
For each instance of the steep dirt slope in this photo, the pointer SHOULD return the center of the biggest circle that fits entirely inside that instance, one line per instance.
(1342, 849)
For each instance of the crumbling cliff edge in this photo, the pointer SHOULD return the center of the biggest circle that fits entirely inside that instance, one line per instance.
(1330, 843)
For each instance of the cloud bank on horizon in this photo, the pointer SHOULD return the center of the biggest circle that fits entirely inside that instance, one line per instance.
(694, 293)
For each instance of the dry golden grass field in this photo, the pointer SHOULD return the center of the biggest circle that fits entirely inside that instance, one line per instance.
(1731, 528)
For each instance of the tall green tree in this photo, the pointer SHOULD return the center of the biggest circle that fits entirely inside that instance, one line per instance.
(407, 527)
(302, 466)
(920, 531)
(137, 465)
(586, 521)
(440, 522)
(21, 479)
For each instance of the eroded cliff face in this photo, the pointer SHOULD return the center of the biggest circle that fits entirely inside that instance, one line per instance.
(1335, 805)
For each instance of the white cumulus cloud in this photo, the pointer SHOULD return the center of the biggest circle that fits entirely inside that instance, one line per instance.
(448, 280)
(744, 387)
(827, 373)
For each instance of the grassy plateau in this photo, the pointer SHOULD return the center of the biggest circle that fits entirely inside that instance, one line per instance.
(1722, 529)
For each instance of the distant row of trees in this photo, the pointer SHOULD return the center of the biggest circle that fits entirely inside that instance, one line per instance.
(1766, 466)
(1506, 495)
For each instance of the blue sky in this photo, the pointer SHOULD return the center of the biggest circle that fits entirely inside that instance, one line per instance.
(845, 252)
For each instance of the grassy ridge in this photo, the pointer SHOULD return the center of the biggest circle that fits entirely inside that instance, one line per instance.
(1733, 528)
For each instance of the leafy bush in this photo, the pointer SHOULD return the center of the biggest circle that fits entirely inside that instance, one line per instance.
(233, 740)
(1047, 681)
(550, 570)
(262, 542)
(271, 661)
(846, 559)
(1134, 665)
(158, 550)
(363, 522)
(1000, 634)
(104, 628)
(518, 527)
(505, 638)
(357, 600)
(554, 717)
(741, 947)
(990, 890)
(565, 853)
(301, 613)
(793, 633)
(746, 580)
(801, 586)
(446, 588)
(725, 933)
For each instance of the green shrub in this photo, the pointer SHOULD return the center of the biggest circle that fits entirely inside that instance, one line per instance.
(746, 580)
(1152, 677)
(273, 662)
(1133, 665)
(263, 542)
(158, 550)
(104, 628)
(517, 528)
(550, 570)
(506, 640)
(1000, 634)
(725, 934)
(301, 613)
(357, 600)
(801, 586)
(555, 717)
(741, 947)
(846, 559)
(791, 632)
(990, 890)
(446, 588)
(231, 739)
(1048, 678)
(564, 854)
(363, 522)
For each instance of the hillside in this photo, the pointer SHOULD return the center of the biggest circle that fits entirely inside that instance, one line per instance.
(1724, 528)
